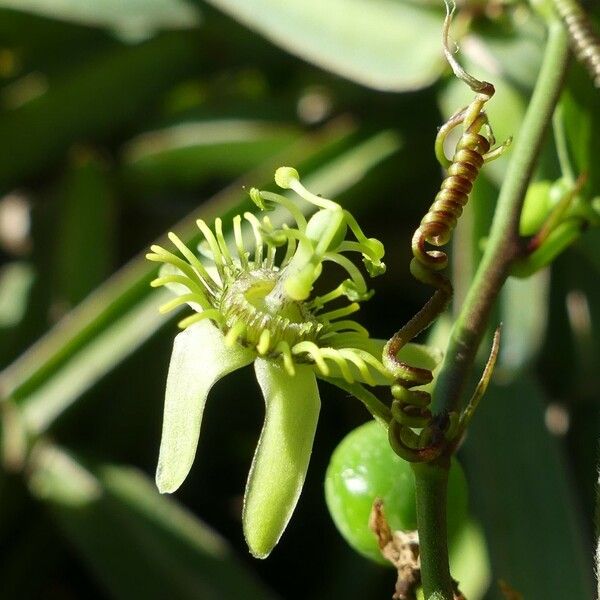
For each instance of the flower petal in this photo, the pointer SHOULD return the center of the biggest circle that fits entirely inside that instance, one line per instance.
(283, 452)
(200, 358)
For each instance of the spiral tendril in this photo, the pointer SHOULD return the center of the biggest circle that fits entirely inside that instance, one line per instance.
(584, 40)
(411, 407)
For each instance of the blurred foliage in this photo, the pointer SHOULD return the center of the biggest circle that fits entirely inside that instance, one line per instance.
(122, 120)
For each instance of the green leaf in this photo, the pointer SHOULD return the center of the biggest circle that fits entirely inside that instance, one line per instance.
(200, 358)
(138, 544)
(523, 494)
(133, 19)
(86, 221)
(523, 331)
(189, 153)
(383, 44)
(579, 104)
(126, 78)
(280, 463)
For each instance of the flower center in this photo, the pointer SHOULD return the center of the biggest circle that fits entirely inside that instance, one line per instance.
(250, 307)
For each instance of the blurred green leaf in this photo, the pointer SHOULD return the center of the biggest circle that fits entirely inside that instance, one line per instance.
(383, 44)
(86, 211)
(92, 102)
(522, 493)
(524, 317)
(133, 19)
(139, 544)
(509, 49)
(123, 313)
(579, 104)
(470, 564)
(189, 153)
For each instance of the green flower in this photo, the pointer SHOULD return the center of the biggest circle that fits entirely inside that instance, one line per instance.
(261, 308)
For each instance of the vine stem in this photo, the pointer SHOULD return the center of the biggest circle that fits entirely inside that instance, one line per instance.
(503, 247)
(504, 244)
(431, 480)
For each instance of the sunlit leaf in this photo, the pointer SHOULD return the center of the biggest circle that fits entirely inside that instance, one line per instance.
(133, 19)
(137, 543)
(191, 152)
(383, 44)
(69, 109)
(521, 490)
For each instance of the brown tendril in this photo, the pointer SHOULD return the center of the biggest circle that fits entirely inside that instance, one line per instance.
(411, 408)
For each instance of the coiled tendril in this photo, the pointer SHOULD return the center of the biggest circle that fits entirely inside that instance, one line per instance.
(410, 407)
(584, 40)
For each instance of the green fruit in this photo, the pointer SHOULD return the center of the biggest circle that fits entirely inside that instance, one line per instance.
(364, 467)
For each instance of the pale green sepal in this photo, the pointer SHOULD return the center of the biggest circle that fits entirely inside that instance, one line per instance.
(281, 459)
(199, 359)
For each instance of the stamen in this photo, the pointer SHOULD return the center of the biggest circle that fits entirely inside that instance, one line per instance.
(222, 243)
(319, 301)
(339, 313)
(348, 324)
(258, 251)
(185, 281)
(212, 314)
(289, 205)
(239, 241)
(164, 256)
(178, 301)
(291, 249)
(359, 363)
(339, 360)
(314, 352)
(214, 247)
(286, 354)
(352, 270)
(193, 260)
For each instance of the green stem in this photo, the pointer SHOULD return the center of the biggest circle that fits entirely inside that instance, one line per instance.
(431, 487)
(504, 244)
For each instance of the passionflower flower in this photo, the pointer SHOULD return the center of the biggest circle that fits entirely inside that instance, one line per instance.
(259, 307)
